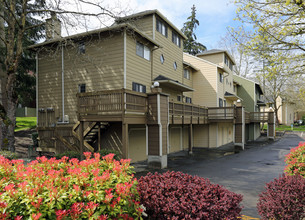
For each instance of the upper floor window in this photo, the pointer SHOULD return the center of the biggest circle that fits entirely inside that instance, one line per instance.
(188, 100)
(186, 74)
(82, 88)
(176, 39)
(143, 51)
(175, 65)
(226, 60)
(234, 88)
(220, 102)
(161, 27)
(231, 66)
(138, 87)
(81, 48)
(220, 77)
(162, 58)
(179, 98)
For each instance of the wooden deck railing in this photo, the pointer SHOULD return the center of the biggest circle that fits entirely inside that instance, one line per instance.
(184, 109)
(111, 102)
(259, 116)
(221, 113)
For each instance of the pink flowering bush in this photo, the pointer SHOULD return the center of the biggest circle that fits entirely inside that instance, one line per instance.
(283, 198)
(175, 195)
(68, 189)
(295, 161)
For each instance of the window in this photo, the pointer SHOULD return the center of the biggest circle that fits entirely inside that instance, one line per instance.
(220, 102)
(138, 87)
(179, 98)
(231, 66)
(176, 39)
(224, 103)
(82, 88)
(162, 58)
(226, 60)
(143, 51)
(81, 48)
(161, 27)
(175, 65)
(188, 100)
(186, 74)
(234, 88)
(220, 77)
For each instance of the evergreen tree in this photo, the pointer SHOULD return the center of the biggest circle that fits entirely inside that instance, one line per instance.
(191, 46)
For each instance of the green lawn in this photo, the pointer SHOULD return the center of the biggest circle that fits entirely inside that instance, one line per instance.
(24, 123)
(288, 128)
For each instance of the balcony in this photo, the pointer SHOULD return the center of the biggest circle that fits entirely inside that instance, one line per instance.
(222, 114)
(259, 116)
(113, 105)
(183, 113)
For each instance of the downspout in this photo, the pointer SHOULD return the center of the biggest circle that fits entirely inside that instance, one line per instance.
(63, 83)
(124, 59)
(36, 57)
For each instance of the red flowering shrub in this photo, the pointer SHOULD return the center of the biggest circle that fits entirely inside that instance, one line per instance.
(175, 195)
(68, 189)
(295, 160)
(283, 198)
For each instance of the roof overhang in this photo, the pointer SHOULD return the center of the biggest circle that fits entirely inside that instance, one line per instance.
(231, 97)
(174, 85)
(94, 32)
(260, 103)
(190, 65)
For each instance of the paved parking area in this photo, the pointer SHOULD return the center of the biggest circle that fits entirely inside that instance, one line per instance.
(245, 172)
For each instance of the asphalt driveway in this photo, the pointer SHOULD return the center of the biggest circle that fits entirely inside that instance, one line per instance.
(245, 172)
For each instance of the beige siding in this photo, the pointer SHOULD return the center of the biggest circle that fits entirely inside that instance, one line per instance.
(172, 93)
(175, 139)
(137, 144)
(201, 135)
(171, 53)
(204, 82)
(185, 138)
(138, 69)
(144, 24)
(225, 133)
(214, 58)
(100, 68)
(213, 135)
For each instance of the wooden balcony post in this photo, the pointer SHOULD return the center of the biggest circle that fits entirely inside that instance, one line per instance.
(190, 139)
(271, 125)
(125, 141)
(81, 136)
(99, 137)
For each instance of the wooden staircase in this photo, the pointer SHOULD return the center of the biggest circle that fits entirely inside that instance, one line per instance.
(90, 133)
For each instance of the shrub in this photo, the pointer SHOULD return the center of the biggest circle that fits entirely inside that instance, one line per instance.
(283, 198)
(62, 189)
(104, 152)
(9, 155)
(69, 154)
(175, 195)
(74, 154)
(295, 161)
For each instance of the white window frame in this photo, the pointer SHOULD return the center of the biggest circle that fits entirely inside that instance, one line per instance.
(176, 39)
(161, 27)
(142, 51)
(187, 74)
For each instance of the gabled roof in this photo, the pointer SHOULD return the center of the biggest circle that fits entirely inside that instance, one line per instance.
(257, 85)
(215, 51)
(190, 65)
(97, 31)
(202, 60)
(149, 12)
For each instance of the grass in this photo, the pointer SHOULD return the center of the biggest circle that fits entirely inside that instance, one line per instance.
(288, 128)
(25, 123)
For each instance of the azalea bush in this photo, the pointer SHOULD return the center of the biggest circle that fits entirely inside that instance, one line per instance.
(175, 195)
(283, 198)
(68, 189)
(295, 161)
